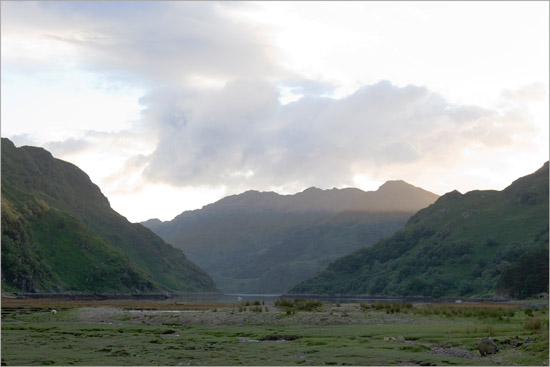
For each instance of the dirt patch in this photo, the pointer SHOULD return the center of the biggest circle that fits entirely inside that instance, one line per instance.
(453, 352)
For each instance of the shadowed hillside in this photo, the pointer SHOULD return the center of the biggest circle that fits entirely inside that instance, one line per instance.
(263, 242)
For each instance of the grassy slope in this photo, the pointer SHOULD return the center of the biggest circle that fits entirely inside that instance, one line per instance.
(49, 250)
(65, 187)
(461, 245)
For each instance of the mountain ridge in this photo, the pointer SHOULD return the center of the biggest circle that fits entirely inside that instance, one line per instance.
(263, 241)
(252, 196)
(483, 242)
(64, 187)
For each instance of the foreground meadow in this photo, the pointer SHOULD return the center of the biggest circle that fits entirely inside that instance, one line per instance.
(258, 333)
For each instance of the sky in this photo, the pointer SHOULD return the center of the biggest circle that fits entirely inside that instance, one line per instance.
(169, 106)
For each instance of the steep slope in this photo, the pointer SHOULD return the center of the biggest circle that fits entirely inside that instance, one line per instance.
(263, 242)
(64, 187)
(481, 243)
(45, 249)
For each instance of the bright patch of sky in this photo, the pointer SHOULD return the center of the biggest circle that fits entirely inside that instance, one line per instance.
(65, 104)
(169, 106)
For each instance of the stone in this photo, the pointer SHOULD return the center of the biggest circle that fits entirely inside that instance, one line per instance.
(487, 346)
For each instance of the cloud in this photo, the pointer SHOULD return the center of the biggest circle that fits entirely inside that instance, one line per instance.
(153, 43)
(242, 137)
(526, 93)
(68, 147)
(211, 84)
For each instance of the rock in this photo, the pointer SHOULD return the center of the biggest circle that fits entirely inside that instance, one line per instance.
(516, 342)
(487, 346)
(280, 337)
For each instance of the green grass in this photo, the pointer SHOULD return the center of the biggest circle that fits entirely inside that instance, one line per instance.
(39, 338)
(53, 250)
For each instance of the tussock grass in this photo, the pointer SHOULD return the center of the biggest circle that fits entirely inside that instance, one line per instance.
(469, 310)
(532, 324)
(298, 304)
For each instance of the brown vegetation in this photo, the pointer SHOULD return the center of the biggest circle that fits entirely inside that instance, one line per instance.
(119, 303)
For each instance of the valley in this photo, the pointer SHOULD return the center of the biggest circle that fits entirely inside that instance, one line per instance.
(396, 276)
(263, 242)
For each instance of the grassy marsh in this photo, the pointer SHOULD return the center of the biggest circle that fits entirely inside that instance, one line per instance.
(168, 333)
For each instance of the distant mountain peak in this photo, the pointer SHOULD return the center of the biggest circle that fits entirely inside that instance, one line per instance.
(396, 185)
(453, 248)
(266, 242)
(313, 189)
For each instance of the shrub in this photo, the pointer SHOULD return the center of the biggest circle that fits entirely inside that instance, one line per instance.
(283, 302)
(532, 324)
(299, 304)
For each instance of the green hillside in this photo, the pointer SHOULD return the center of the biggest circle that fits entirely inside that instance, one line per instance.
(263, 242)
(480, 243)
(68, 190)
(45, 249)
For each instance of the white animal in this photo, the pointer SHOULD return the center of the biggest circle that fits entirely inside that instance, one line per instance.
(239, 298)
(54, 312)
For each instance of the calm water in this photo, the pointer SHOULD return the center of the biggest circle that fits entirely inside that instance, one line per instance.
(241, 297)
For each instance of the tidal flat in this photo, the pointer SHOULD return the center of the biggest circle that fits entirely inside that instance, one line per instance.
(265, 333)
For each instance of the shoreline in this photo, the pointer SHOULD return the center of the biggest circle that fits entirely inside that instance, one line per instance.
(224, 296)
